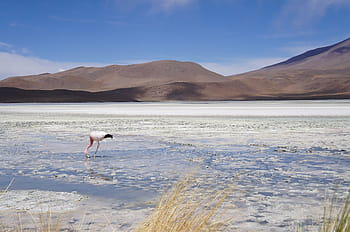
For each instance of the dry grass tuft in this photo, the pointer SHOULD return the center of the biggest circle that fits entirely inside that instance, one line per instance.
(185, 207)
(47, 223)
(43, 222)
(337, 220)
(189, 206)
(336, 217)
(8, 186)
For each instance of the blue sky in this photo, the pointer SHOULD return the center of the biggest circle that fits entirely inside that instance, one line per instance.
(225, 36)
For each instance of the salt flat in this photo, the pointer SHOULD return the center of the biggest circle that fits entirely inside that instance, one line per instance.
(238, 108)
(283, 156)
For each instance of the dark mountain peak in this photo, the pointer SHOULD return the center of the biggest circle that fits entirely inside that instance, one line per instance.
(338, 48)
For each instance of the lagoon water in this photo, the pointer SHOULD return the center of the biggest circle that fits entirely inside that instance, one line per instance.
(284, 157)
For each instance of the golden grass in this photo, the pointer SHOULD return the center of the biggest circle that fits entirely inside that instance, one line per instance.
(8, 186)
(337, 220)
(43, 222)
(47, 224)
(336, 217)
(187, 208)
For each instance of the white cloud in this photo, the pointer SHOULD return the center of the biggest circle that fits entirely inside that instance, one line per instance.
(155, 5)
(5, 45)
(170, 4)
(299, 13)
(240, 66)
(18, 65)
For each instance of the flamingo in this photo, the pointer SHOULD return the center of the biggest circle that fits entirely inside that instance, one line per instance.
(96, 136)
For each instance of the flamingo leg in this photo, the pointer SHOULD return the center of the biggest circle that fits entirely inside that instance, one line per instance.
(98, 145)
(87, 148)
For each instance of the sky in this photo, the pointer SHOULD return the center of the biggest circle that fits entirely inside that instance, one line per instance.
(224, 36)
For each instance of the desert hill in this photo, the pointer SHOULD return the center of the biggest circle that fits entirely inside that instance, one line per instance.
(319, 72)
(116, 77)
(333, 57)
(322, 73)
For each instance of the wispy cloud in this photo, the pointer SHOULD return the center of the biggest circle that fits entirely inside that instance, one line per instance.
(154, 5)
(72, 20)
(6, 47)
(300, 13)
(17, 65)
(170, 4)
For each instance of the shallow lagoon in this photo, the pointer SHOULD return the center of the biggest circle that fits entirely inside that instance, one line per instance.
(284, 157)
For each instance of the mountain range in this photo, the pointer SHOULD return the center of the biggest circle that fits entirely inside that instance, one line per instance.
(322, 73)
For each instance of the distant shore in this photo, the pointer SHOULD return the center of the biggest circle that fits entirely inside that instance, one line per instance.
(15, 95)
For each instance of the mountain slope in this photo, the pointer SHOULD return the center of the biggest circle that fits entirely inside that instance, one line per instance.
(116, 77)
(322, 71)
(330, 57)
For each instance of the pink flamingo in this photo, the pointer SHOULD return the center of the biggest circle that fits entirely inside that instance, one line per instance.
(96, 136)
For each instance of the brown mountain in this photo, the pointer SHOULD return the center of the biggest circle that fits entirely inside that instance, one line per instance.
(319, 73)
(116, 77)
(322, 73)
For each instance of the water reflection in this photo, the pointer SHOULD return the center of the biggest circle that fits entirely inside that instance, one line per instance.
(94, 174)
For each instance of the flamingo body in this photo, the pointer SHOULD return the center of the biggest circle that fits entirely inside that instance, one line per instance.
(96, 136)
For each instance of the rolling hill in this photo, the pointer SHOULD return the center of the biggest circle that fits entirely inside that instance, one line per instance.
(322, 73)
(116, 77)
